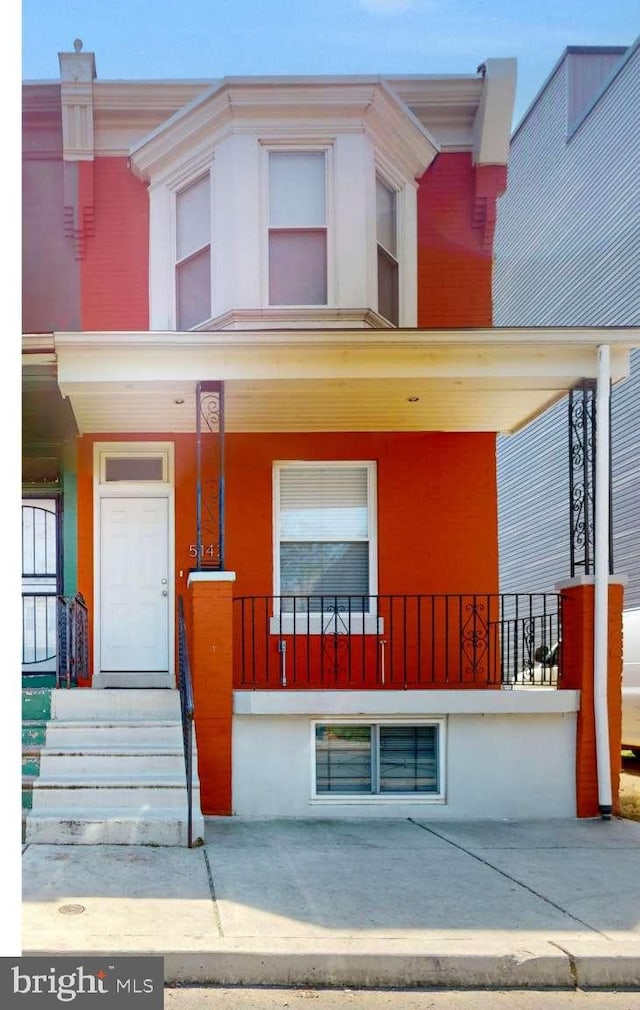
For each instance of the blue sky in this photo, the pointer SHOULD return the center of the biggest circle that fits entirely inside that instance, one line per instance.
(211, 38)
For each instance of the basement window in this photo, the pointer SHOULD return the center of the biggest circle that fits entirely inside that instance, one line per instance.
(393, 760)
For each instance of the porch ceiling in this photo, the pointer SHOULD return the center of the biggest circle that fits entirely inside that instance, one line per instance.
(407, 380)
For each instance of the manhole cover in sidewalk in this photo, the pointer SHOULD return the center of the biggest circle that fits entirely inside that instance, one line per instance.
(71, 909)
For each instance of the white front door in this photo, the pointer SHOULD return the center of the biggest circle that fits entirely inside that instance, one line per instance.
(134, 589)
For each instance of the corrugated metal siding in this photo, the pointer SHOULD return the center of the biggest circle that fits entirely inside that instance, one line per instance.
(568, 253)
(586, 73)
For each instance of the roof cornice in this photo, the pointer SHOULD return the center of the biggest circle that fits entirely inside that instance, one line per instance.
(286, 108)
(616, 336)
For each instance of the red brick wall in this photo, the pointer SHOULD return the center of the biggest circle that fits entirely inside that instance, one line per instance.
(456, 211)
(577, 674)
(115, 270)
(437, 511)
(437, 506)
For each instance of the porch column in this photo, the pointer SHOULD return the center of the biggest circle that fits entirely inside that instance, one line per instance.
(211, 653)
(577, 673)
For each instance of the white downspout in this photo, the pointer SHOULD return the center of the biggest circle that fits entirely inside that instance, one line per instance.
(601, 593)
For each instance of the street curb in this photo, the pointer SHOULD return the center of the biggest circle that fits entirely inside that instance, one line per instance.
(370, 971)
(376, 964)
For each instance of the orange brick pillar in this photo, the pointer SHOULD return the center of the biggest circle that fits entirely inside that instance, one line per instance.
(211, 654)
(577, 674)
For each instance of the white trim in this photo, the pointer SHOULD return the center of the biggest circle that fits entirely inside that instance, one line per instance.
(336, 705)
(133, 489)
(162, 237)
(176, 187)
(588, 580)
(204, 576)
(318, 624)
(332, 799)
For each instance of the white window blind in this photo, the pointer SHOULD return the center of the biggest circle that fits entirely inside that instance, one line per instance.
(193, 254)
(325, 540)
(297, 228)
(378, 759)
(297, 189)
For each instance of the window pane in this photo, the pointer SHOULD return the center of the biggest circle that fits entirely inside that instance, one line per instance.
(409, 759)
(343, 759)
(387, 286)
(298, 268)
(39, 540)
(324, 503)
(134, 468)
(330, 570)
(193, 218)
(297, 189)
(386, 217)
(193, 290)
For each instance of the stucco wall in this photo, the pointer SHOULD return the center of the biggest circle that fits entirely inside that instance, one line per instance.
(497, 763)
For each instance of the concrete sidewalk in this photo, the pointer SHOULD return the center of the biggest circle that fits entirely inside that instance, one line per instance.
(356, 903)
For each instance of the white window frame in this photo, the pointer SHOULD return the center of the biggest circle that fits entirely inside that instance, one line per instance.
(138, 451)
(293, 147)
(174, 187)
(397, 256)
(341, 799)
(133, 489)
(367, 623)
(406, 193)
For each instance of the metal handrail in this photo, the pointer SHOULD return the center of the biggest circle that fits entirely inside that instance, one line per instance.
(185, 686)
(73, 640)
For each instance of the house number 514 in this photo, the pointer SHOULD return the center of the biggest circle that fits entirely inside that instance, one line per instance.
(206, 550)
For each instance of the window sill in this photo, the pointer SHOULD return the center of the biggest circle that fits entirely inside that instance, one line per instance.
(326, 624)
(378, 799)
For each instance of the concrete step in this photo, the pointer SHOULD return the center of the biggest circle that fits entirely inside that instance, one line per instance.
(85, 764)
(144, 793)
(108, 734)
(105, 767)
(111, 826)
(115, 705)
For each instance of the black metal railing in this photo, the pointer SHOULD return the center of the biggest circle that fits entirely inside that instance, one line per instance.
(55, 636)
(185, 686)
(73, 640)
(531, 640)
(396, 642)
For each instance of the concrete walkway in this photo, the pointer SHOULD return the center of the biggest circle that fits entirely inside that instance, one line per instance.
(355, 903)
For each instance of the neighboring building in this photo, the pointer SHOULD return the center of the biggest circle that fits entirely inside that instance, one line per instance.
(262, 387)
(568, 254)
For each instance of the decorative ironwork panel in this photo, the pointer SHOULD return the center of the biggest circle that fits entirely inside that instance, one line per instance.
(582, 473)
(474, 639)
(209, 545)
